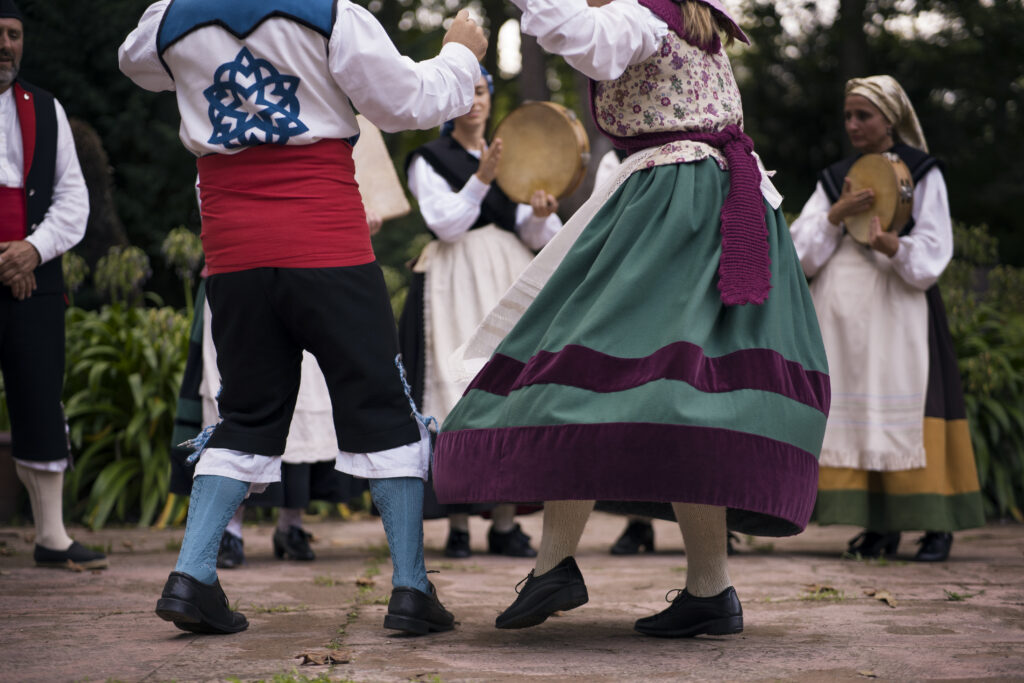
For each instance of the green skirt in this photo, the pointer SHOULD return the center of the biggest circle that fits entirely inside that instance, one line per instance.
(627, 379)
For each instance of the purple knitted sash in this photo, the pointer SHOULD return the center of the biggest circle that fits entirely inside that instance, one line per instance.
(744, 270)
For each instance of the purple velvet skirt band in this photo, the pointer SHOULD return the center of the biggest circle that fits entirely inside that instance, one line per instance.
(774, 482)
(578, 366)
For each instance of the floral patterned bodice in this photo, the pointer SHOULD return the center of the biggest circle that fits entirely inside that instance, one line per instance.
(679, 88)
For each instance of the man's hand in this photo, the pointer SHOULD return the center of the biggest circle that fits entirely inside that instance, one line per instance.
(23, 286)
(882, 241)
(543, 204)
(489, 159)
(850, 203)
(17, 259)
(465, 31)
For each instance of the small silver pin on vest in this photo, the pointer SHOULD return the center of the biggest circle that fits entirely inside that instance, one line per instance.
(25, 96)
(31, 193)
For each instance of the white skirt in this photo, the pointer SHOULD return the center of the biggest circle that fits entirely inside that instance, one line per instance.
(463, 280)
(875, 329)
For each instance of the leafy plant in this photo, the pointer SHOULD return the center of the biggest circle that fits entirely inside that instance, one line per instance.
(124, 368)
(183, 251)
(985, 305)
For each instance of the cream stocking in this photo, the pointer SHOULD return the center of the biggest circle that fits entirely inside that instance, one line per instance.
(704, 534)
(46, 493)
(503, 517)
(564, 521)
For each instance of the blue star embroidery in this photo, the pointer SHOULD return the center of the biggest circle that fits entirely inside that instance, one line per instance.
(252, 103)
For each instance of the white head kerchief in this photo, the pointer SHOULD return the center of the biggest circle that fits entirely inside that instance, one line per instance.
(886, 94)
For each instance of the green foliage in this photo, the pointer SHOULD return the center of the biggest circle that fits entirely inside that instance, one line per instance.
(985, 305)
(124, 368)
(121, 273)
(183, 251)
(75, 271)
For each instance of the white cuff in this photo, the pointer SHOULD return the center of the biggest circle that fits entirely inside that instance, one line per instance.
(410, 460)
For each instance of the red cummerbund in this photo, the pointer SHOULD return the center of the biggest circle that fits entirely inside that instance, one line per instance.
(12, 214)
(283, 206)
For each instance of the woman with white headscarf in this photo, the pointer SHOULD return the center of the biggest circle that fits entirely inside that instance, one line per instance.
(889, 349)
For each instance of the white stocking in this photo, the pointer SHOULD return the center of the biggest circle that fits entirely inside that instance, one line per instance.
(704, 534)
(46, 491)
(503, 517)
(564, 521)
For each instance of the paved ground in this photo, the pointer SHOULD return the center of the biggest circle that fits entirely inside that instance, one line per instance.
(808, 614)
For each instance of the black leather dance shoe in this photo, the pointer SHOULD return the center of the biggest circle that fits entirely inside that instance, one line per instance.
(560, 589)
(637, 536)
(77, 555)
(513, 543)
(293, 544)
(870, 544)
(690, 616)
(231, 553)
(935, 546)
(197, 607)
(414, 612)
(458, 544)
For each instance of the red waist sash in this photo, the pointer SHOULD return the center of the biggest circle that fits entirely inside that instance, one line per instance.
(283, 206)
(12, 214)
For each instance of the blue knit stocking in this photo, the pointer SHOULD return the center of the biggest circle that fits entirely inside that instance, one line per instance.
(214, 501)
(400, 501)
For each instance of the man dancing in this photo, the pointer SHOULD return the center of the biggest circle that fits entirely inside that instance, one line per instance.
(266, 91)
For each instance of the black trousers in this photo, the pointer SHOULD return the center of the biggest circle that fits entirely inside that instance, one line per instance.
(264, 318)
(32, 361)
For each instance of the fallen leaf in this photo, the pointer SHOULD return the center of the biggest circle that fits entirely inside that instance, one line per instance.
(884, 596)
(322, 658)
(75, 567)
(128, 544)
(5, 551)
(818, 589)
(365, 581)
(867, 674)
(29, 537)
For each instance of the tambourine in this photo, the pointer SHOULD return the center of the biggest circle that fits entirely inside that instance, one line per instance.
(890, 179)
(544, 147)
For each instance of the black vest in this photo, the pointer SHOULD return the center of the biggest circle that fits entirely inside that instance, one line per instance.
(39, 184)
(918, 163)
(453, 163)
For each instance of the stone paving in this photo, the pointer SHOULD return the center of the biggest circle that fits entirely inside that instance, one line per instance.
(809, 615)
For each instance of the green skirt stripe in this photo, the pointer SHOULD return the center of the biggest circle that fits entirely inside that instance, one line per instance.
(883, 512)
(659, 402)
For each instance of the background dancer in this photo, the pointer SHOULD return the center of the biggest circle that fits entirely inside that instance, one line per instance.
(266, 94)
(483, 241)
(45, 206)
(889, 347)
(653, 364)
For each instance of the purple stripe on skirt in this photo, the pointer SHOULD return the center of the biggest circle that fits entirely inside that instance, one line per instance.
(630, 461)
(579, 366)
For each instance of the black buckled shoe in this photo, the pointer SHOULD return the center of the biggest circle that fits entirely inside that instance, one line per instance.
(458, 544)
(293, 544)
(690, 616)
(77, 555)
(638, 535)
(231, 553)
(513, 543)
(558, 590)
(871, 544)
(197, 607)
(417, 613)
(935, 546)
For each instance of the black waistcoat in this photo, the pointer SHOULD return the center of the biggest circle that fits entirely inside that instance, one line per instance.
(39, 183)
(453, 163)
(917, 162)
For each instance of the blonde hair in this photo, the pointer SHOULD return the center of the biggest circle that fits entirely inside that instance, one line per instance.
(702, 22)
